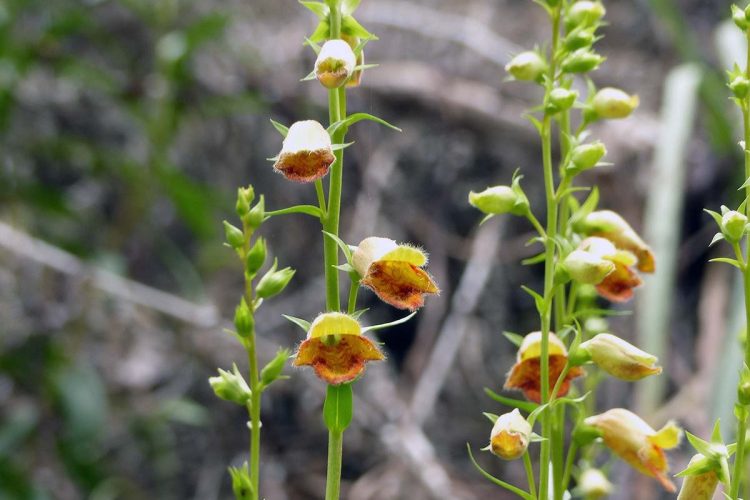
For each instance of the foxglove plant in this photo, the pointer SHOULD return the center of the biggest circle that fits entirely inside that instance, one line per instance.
(587, 253)
(335, 346)
(711, 465)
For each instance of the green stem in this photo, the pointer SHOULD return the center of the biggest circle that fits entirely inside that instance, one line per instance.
(569, 465)
(335, 452)
(529, 473)
(321, 197)
(353, 290)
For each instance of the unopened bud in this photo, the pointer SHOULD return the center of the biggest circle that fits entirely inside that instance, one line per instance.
(274, 282)
(256, 257)
(619, 358)
(739, 18)
(561, 99)
(243, 319)
(739, 87)
(272, 371)
(244, 199)
(510, 436)
(579, 38)
(335, 64)
(581, 61)
(701, 485)
(584, 13)
(733, 225)
(611, 103)
(586, 156)
(234, 236)
(242, 487)
(494, 200)
(256, 214)
(231, 386)
(528, 66)
(585, 267)
(593, 484)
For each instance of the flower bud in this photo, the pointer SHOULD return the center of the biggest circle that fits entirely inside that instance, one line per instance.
(243, 320)
(581, 61)
(593, 484)
(272, 371)
(699, 486)
(528, 66)
(356, 78)
(561, 99)
(739, 18)
(234, 236)
(242, 487)
(611, 103)
(273, 282)
(585, 267)
(739, 86)
(584, 13)
(256, 257)
(578, 39)
(733, 225)
(619, 358)
(256, 214)
(244, 199)
(231, 386)
(335, 64)
(494, 200)
(510, 436)
(586, 156)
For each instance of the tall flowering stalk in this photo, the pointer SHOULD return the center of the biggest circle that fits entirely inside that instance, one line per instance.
(712, 463)
(335, 346)
(586, 252)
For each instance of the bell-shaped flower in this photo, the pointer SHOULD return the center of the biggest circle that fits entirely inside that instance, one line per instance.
(394, 272)
(613, 104)
(612, 226)
(701, 485)
(526, 373)
(634, 441)
(336, 349)
(306, 153)
(510, 436)
(618, 283)
(619, 358)
(335, 64)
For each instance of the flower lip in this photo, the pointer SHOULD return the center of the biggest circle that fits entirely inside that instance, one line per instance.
(394, 272)
(526, 373)
(336, 349)
(335, 63)
(510, 436)
(306, 153)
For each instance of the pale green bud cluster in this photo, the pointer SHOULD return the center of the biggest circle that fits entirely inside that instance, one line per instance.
(527, 66)
(231, 386)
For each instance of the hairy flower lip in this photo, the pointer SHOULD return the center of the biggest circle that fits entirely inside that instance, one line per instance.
(335, 63)
(306, 153)
(510, 436)
(343, 360)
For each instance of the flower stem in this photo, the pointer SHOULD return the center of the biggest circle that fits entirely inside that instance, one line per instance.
(335, 452)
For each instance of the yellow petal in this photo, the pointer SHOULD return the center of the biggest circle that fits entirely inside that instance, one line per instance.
(334, 324)
(667, 437)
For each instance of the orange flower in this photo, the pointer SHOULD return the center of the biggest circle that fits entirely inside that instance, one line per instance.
(612, 226)
(336, 349)
(634, 441)
(526, 373)
(306, 153)
(510, 436)
(394, 272)
(618, 284)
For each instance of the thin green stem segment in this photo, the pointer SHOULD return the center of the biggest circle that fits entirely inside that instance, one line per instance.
(529, 473)
(335, 453)
(549, 259)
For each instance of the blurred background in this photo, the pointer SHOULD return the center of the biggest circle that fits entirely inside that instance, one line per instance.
(126, 127)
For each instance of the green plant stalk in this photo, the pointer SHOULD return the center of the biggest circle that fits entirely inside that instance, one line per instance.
(549, 261)
(336, 112)
(529, 473)
(252, 359)
(742, 412)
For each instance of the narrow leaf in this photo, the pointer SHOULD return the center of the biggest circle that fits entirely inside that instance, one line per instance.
(343, 246)
(297, 209)
(283, 129)
(358, 117)
(490, 477)
(727, 260)
(388, 325)
(514, 338)
(526, 406)
(305, 325)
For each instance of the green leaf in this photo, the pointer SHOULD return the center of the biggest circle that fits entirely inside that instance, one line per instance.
(318, 8)
(343, 246)
(338, 407)
(351, 27)
(526, 406)
(514, 338)
(537, 259)
(701, 446)
(357, 314)
(321, 32)
(717, 238)
(588, 206)
(338, 147)
(305, 325)
(744, 185)
(538, 299)
(349, 6)
(357, 117)
(310, 76)
(491, 417)
(715, 215)
(486, 218)
(297, 209)
(727, 260)
(347, 268)
(388, 325)
(283, 129)
(499, 482)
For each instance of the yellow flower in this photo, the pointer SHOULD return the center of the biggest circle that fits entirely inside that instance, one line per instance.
(394, 272)
(612, 226)
(634, 441)
(619, 358)
(526, 373)
(510, 436)
(306, 153)
(336, 349)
